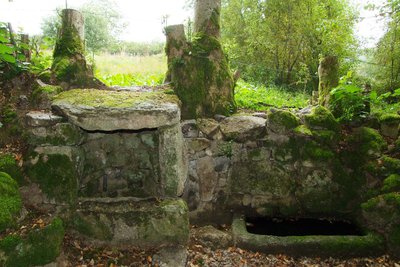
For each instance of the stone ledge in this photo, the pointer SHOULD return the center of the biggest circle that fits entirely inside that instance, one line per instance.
(100, 110)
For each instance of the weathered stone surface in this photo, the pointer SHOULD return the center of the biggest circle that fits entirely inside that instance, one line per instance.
(102, 110)
(128, 221)
(209, 127)
(61, 134)
(390, 124)
(171, 257)
(208, 178)
(173, 161)
(211, 237)
(42, 119)
(189, 129)
(241, 128)
(198, 144)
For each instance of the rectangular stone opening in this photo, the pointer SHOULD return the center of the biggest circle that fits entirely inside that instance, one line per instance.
(301, 227)
(121, 164)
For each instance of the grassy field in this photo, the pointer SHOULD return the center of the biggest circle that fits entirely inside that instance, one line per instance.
(124, 70)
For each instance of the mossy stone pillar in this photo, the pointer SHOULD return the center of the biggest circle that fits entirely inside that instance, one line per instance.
(175, 46)
(201, 76)
(69, 65)
(328, 72)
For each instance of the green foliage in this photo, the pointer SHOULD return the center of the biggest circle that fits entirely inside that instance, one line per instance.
(387, 103)
(10, 201)
(349, 103)
(260, 98)
(281, 41)
(12, 58)
(136, 79)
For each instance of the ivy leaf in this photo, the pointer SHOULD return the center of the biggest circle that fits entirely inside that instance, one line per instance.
(4, 49)
(8, 58)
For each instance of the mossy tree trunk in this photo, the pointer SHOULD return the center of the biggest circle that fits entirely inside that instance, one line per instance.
(199, 71)
(25, 49)
(175, 46)
(328, 72)
(69, 65)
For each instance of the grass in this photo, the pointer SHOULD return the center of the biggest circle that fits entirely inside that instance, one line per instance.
(124, 70)
(260, 98)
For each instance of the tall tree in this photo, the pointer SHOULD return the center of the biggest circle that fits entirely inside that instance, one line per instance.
(274, 41)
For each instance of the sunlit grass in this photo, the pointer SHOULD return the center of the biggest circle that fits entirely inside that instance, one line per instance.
(261, 98)
(124, 70)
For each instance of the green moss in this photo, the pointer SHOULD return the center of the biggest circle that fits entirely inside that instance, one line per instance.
(9, 243)
(69, 44)
(40, 247)
(326, 137)
(389, 118)
(394, 240)
(391, 165)
(10, 201)
(391, 183)
(366, 143)
(9, 165)
(282, 121)
(321, 118)
(225, 149)
(106, 99)
(60, 134)
(313, 150)
(56, 176)
(302, 130)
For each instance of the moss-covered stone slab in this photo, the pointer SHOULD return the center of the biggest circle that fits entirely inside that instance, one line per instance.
(321, 246)
(321, 118)
(10, 201)
(145, 223)
(390, 125)
(105, 110)
(39, 247)
(243, 128)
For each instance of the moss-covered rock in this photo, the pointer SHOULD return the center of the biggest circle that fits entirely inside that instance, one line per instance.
(141, 223)
(42, 96)
(9, 165)
(282, 121)
(39, 247)
(10, 201)
(61, 134)
(56, 175)
(389, 124)
(367, 143)
(391, 184)
(321, 118)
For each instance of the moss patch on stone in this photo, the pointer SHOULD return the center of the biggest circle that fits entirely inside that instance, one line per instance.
(107, 99)
(302, 130)
(39, 247)
(9, 165)
(391, 184)
(10, 201)
(389, 118)
(56, 176)
(321, 118)
(367, 142)
(282, 121)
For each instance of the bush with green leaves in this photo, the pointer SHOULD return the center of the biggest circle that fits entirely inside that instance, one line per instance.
(349, 103)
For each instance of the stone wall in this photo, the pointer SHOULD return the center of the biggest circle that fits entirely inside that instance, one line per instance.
(279, 164)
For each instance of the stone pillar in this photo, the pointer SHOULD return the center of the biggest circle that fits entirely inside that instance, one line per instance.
(328, 72)
(175, 46)
(69, 65)
(201, 76)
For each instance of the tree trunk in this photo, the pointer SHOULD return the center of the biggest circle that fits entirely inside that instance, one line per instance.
(175, 46)
(328, 72)
(200, 71)
(69, 65)
(26, 51)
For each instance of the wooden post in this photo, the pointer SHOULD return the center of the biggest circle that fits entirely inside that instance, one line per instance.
(328, 72)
